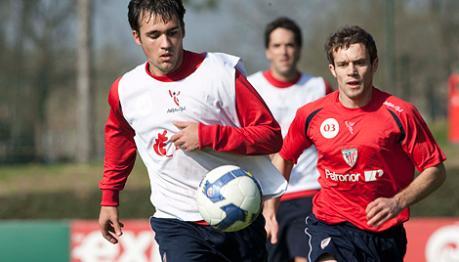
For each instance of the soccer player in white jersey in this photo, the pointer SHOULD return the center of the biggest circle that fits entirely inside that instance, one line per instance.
(284, 89)
(184, 113)
(369, 143)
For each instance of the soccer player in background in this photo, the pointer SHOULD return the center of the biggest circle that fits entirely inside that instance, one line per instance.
(285, 89)
(184, 112)
(369, 143)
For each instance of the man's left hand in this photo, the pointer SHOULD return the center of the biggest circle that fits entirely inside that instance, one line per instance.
(187, 139)
(382, 209)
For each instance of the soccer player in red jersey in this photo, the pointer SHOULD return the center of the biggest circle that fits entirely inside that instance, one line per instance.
(369, 144)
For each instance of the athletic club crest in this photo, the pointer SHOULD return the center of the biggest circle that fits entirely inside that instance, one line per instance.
(350, 156)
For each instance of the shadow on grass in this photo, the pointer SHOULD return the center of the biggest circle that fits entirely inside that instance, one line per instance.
(70, 205)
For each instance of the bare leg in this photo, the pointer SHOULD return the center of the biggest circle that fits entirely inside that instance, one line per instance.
(327, 258)
(300, 259)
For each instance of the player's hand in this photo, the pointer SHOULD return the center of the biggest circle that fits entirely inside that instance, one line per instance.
(382, 209)
(187, 139)
(269, 212)
(110, 226)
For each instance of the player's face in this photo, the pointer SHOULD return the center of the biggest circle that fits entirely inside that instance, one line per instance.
(162, 42)
(354, 73)
(283, 52)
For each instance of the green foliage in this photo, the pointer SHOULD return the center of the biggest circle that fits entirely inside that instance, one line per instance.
(444, 201)
(439, 130)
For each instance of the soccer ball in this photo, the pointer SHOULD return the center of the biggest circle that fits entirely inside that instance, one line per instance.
(229, 198)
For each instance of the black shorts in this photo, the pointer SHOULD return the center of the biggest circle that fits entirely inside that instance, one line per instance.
(292, 240)
(182, 241)
(349, 243)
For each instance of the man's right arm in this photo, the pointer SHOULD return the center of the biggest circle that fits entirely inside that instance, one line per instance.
(270, 205)
(120, 153)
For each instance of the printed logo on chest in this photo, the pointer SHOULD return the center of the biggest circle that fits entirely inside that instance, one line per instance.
(350, 126)
(329, 128)
(162, 145)
(175, 96)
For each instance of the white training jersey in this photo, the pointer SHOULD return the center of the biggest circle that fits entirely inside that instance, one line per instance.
(283, 103)
(175, 174)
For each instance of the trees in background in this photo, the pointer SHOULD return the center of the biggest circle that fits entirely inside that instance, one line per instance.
(85, 93)
(44, 118)
(418, 40)
(36, 37)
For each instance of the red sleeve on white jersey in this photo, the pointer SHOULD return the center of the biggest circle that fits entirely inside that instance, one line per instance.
(296, 140)
(120, 151)
(419, 143)
(259, 133)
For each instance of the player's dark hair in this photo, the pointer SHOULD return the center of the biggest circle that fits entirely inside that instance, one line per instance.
(347, 36)
(286, 23)
(166, 9)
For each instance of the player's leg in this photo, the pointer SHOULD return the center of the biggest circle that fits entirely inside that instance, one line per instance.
(279, 252)
(327, 258)
(181, 241)
(247, 245)
(296, 240)
(329, 242)
(391, 244)
(345, 242)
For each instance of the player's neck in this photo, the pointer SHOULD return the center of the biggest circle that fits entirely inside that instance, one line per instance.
(285, 77)
(159, 73)
(356, 102)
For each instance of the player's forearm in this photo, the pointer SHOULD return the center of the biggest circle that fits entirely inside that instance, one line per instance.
(424, 184)
(284, 166)
(252, 140)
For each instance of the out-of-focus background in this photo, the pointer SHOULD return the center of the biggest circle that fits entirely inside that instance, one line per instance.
(59, 58)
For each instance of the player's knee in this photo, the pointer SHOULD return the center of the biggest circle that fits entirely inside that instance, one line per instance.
(300, 259)
(327, 258)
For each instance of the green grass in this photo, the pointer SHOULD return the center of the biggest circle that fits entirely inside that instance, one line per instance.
(8, 172)
(66, 191)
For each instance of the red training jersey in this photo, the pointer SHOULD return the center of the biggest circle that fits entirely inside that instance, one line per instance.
(363, 153)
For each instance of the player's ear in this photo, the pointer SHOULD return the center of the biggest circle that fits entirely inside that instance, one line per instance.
(332, 69)
(183, 31)
(136, 36)
(374, 66)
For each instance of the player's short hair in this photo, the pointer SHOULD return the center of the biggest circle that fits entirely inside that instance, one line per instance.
(167, 9)
(347, 36)
(285, 23)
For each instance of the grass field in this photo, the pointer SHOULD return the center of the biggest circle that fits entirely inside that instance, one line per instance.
(71, 191)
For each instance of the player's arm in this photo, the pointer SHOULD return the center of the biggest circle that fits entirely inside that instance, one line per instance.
(120, 153)
(259, 132)
(294, 144)
(420, 146)
(382, 209)
(270, 205)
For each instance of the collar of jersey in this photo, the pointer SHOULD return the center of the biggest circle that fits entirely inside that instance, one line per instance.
(370, 106)
(191, 61)
(279, 83)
